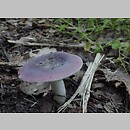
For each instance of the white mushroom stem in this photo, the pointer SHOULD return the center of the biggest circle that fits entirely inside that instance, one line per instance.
(58, 87)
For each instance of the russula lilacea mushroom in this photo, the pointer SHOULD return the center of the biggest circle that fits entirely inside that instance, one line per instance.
(52, 68)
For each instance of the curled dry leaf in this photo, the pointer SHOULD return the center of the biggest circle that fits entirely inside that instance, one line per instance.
(119, 76)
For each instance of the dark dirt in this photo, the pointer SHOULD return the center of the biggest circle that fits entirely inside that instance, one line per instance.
(105, 97)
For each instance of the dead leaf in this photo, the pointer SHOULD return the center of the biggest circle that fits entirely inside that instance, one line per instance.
(108, 107)
(41, 21)
(46, 107)
(97, 85)
(13, 22)
(99, 106)
(119, 76)
(116, 99)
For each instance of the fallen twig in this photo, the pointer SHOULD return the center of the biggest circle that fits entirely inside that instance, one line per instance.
(46, 44)
(85, 85)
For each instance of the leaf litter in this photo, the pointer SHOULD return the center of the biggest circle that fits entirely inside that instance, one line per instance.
(119, 77)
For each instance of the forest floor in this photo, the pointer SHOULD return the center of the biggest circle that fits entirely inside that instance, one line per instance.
(21, 39)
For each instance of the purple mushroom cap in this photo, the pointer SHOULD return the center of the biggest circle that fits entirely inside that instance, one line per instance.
(50, 67)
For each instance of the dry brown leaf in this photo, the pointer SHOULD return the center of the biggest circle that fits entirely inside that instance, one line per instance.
(119, 76)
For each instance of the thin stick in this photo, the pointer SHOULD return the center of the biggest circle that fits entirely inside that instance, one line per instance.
(86, 92)
(46, 44)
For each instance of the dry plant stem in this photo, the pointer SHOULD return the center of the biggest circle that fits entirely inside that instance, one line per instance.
(85, 85)
(86, 91)
(46, 44)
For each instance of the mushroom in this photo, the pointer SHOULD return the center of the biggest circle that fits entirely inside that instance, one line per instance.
(52, 68)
